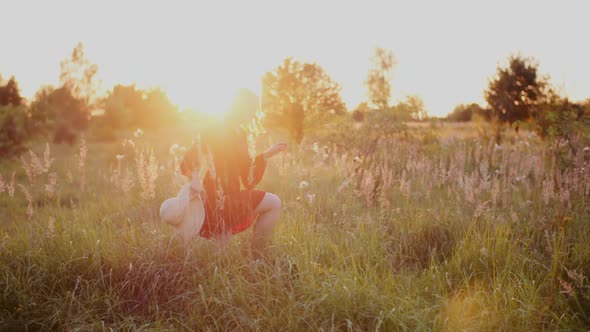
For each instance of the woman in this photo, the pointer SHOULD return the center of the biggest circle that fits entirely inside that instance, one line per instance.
(231, 202)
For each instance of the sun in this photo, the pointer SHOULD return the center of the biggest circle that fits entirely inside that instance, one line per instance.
(213, 102)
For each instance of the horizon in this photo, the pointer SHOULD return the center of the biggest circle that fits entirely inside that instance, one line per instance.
(445, 53)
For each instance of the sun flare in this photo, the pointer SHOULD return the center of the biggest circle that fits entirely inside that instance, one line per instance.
(212, 102)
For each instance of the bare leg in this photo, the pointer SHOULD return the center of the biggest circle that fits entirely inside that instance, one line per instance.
(268, 212)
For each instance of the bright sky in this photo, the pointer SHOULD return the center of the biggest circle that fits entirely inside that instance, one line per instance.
(201, 52)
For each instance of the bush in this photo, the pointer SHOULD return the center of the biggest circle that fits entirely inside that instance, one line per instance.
(13, 130)
(58, 112)
(466, 113)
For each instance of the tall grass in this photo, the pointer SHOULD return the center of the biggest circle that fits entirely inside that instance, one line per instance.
(391, 234)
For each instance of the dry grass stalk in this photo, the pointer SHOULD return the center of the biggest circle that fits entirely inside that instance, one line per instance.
(29, 171)
(126, 183)
(70, 176)
(147, 172)
(47, 160)
(10, 186)
(51, 184)
(50, 232)
(36, 163)
(29, 199)
(82, 164)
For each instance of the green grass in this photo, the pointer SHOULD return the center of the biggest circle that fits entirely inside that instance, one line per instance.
(446, 251)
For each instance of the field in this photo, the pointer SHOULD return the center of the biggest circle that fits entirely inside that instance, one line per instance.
(435, 227)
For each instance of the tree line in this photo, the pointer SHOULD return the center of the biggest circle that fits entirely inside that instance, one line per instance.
(295, 95)
(63, 113)
(519, 95)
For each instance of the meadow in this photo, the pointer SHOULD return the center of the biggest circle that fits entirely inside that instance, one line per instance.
(433, 227)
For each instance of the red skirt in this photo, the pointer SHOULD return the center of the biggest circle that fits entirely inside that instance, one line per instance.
(236, 216)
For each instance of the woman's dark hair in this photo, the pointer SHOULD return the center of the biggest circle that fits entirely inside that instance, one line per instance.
(191, 161)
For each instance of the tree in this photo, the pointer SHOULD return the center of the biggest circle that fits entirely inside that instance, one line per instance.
(157, 111)
(66, 111)
(122, 107)
(10, 93)
(13, 118)
(13, 131)
(296, 90)
(558, 118)
(515, 90)
(360, 112)
(378, 80)
(129, 107)
(42, 112)
(78, 74)
(467, 112)
(77, 96)
(412, 108)
(59, 112)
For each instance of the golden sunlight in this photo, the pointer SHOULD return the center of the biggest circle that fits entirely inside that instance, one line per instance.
(212, 102)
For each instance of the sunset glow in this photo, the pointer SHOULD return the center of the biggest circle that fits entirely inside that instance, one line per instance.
(201, 53)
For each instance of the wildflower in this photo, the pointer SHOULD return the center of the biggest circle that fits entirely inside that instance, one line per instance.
(578, 277)
(128, 142)
(303, 185)
(120, 156)
(567, 288)
(309, 198)
(138, 133)
(316, 147)
(174, 149)
(484, 251)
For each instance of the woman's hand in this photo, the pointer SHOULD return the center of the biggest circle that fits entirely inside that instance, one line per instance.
(274, 150)
(196, 187)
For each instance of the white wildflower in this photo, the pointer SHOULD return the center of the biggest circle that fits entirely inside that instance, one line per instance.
(174, 149)
(309, 198)
(484, 251)
(303, 185)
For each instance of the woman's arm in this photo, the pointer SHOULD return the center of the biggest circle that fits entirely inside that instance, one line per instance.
(254, 171)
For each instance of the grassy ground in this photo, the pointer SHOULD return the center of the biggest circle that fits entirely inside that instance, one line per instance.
(424, 231)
